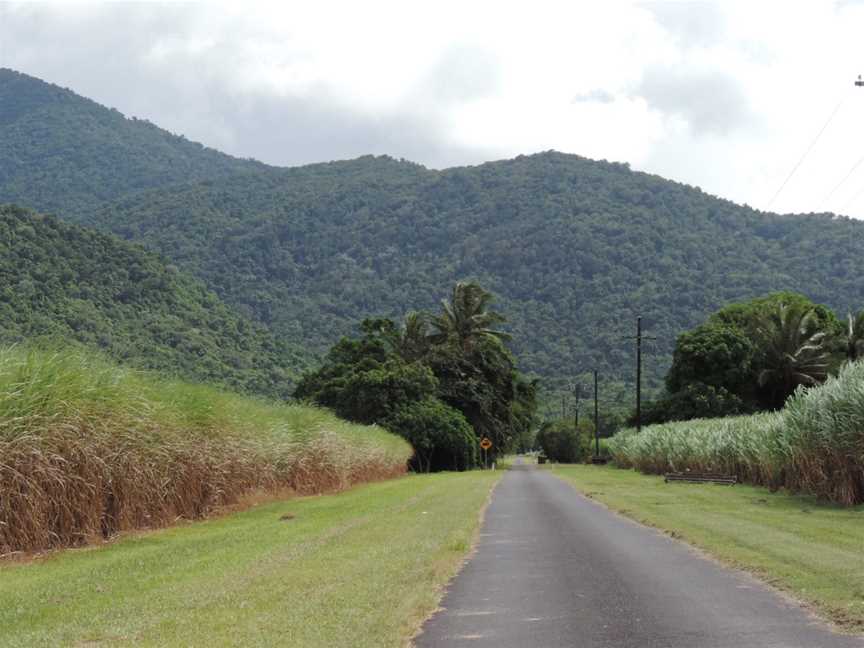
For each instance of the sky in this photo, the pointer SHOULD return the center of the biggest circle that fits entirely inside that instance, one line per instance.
(727, 96)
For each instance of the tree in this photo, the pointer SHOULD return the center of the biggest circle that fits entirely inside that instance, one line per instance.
(796, 352)
(415, 383)
(476, 372)
(441, 436)
(480, 384)
(364, 380)
(694, 400)
(413, 341)
(560, 442)
(465, 318)
(716, 354)
(750, 356)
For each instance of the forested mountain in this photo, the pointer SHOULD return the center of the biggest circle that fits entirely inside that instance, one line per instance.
(60, 152)
(63, 282)
(573, 248)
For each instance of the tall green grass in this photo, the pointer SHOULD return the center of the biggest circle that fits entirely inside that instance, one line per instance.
(88, 449)
(814, 445)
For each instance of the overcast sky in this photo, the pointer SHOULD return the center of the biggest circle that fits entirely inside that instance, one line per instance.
(727, 96)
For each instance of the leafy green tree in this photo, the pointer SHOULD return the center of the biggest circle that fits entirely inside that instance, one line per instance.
(749, 316)
(481, 386)
(392, 374)
(442, 437)
(560, 442)
(749, 356)
(694, 400)
(363, 380)
(715, 354)
(796, 352)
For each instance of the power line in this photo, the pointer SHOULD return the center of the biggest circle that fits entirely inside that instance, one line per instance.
(840, 184)
(807, 152)
(859, 83)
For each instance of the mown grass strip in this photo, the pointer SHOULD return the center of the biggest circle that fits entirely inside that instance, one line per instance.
(361, 568)
(811, 549)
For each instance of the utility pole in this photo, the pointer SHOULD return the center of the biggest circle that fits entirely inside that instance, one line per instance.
(639, 374)
(577, 394)
(596, 420)
(639, 338)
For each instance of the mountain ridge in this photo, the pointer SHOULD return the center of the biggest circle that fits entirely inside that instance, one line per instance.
(63, 152)
(574, 248)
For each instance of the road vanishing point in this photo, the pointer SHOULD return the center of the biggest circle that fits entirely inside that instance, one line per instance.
(553, 568)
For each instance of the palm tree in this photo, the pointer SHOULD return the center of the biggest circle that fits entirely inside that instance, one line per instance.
(465, 319)
(855, 337)
(413, 341)
(795, 351)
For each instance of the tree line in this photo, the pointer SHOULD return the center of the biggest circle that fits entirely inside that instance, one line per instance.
(442, 381)
(752, 356)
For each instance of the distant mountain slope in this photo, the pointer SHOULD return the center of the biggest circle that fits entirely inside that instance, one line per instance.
(65, 282)
(574, 248)
(62, 152)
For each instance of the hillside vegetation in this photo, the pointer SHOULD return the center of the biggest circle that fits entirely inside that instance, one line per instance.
(573, 248)
(89, 450)
(68, 283)
(814, 445)
(60, 152)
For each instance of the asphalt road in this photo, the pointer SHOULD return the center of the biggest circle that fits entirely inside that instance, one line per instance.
(555, 569)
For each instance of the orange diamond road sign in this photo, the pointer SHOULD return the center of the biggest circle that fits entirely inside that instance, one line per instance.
(485, 443)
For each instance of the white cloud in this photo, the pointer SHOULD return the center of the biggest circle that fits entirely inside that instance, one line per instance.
(726, 95)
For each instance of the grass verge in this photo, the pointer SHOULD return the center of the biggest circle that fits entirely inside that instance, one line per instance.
(361, 568)
(810, 549)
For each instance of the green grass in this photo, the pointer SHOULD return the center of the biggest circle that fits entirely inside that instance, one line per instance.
(813, 550)
(361, 568)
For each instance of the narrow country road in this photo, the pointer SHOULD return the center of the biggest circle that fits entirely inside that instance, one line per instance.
(556, 569)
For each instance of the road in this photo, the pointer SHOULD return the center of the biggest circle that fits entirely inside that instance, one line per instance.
(554, 568)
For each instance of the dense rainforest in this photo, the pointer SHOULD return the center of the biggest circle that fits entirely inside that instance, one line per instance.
(63, 282)
(60, 152)
(573, 249)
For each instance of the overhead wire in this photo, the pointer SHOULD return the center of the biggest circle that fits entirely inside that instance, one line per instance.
(809, 149)
(848, 175)
(842, 182)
